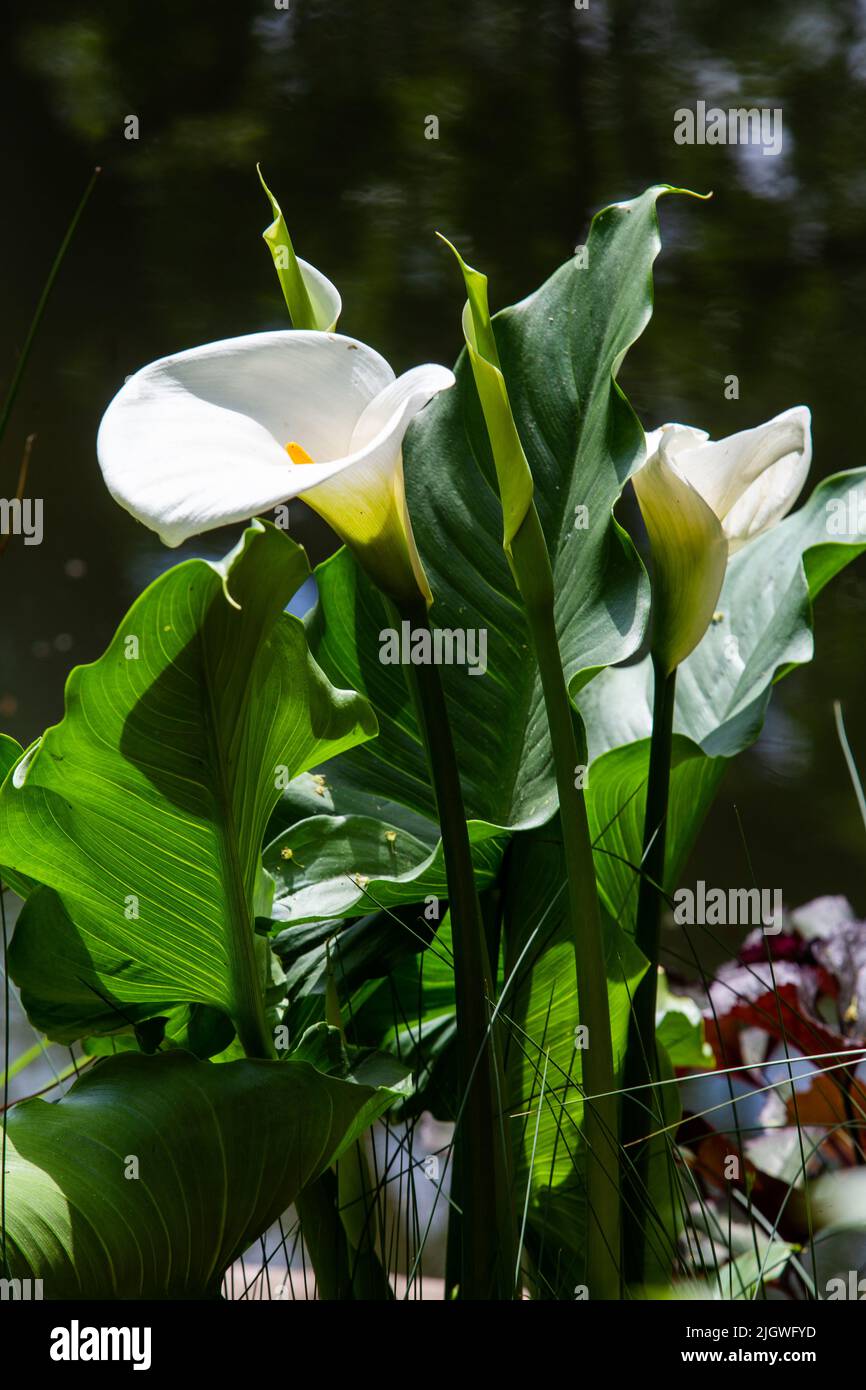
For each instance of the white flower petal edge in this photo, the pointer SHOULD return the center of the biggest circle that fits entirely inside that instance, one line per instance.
(365, 502)
(750, 479)
(198, 440)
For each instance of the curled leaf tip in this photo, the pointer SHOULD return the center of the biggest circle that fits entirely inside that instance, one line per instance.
(464, 265)
(659, 189)
(312, 301)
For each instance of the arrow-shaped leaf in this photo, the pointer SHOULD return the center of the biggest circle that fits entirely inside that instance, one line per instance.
(560, 352)
(154, 1173)
(145, 807)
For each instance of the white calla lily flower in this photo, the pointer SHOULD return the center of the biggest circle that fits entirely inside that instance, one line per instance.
(224, 432)
(751, 479)
(702, 500)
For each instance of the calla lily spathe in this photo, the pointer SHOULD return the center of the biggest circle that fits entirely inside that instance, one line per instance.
(223, 432)
(701, 501)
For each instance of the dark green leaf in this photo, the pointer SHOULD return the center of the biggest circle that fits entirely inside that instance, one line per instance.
(220, 1152)
(560, 352)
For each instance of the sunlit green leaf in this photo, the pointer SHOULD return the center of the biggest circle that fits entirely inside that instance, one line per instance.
(143, 811)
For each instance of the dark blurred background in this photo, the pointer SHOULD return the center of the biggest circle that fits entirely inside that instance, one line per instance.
(546, 113)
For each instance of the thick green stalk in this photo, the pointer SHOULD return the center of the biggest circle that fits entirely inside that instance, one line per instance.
(531, 565)
(361, 1217)
(642, 1109)
(358, 1201)
(318, 1209)
(487, 1226)
(253, 1033)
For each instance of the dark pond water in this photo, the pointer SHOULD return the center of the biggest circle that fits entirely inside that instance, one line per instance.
(545, 114)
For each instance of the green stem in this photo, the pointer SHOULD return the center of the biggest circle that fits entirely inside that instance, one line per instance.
(641, 1109)
(486, 1237)
(360, 1215)
(358, 1201)
(531, 565)
(250, 1020)
(252, 1031)
(318, 1210)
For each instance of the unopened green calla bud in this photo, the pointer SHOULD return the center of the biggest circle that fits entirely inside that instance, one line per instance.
(512, 468)
(312, 301)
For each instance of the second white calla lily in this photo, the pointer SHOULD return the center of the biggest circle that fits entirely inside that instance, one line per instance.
(704, 499)
(230, 430)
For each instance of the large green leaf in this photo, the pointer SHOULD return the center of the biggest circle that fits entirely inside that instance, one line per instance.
(154, 1173)
(142, 812)
(560, 351)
